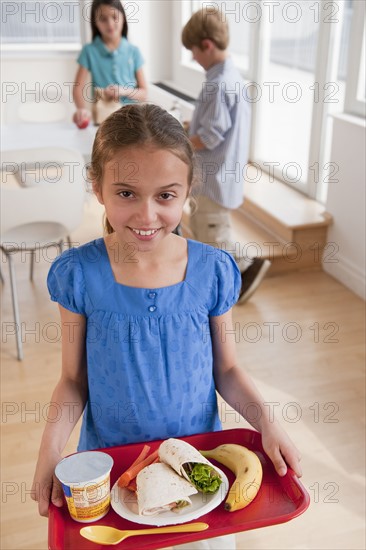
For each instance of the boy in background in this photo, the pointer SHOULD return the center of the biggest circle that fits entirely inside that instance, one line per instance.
(219, 132)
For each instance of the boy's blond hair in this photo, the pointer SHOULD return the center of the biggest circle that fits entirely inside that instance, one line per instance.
(206, 23)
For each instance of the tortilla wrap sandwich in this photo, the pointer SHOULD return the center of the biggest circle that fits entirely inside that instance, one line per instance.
(189, 463)
(160, 489)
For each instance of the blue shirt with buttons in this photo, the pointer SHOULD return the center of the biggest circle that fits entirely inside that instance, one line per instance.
(112, 67)
(149, 350)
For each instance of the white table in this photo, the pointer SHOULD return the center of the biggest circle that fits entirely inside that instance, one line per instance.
(55, 134)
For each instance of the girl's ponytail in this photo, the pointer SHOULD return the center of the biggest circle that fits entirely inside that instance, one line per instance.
(108, 229)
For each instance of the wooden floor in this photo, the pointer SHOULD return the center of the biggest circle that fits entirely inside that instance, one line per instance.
(301, 337)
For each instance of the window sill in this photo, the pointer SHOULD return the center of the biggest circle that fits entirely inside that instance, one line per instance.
(278, 205)
(26, 51)
(352, 119)
(237, 60)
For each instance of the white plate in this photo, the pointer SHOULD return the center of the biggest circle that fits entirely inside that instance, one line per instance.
(124, 503)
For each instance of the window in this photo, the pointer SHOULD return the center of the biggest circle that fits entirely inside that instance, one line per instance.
(41, 25)
(284, 93)
(303, 55)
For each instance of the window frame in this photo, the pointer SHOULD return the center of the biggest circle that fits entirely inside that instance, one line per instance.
(353, 105)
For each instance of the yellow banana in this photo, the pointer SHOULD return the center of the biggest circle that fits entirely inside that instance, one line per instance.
(248, 471)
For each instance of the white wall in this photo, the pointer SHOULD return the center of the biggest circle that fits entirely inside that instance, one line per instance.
(189, 76)
(345, 254)
(150, 29)
(35, 78)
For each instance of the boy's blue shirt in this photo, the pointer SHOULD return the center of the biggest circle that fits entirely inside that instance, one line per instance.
(111, 67)
(222, 121)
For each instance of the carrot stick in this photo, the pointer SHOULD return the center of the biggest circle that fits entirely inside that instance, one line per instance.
(140, 458)
(142, 455)
(132, 471)
(132, 486)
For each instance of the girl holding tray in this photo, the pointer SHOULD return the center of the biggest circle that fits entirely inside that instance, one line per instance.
(146, 316)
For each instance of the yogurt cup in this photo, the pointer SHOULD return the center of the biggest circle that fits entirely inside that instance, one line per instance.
(85, 479)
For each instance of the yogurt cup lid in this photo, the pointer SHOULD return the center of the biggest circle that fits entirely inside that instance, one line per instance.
(84, 466)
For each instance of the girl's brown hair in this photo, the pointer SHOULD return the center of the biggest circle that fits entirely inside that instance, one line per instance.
(117, 5)
(139, 125)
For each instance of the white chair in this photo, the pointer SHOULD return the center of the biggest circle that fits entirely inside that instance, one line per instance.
(41, 213)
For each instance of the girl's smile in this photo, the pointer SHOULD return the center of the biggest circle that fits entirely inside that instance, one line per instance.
(145, 234)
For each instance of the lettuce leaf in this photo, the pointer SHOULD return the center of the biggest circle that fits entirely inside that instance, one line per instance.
(203, 477)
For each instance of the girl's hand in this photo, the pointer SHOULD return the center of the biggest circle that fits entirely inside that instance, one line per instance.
(281, 449)
(46, 488)
(113, 92)
(81, 118)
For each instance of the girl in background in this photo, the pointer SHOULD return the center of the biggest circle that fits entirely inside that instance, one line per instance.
(147, 335)
(114, 64)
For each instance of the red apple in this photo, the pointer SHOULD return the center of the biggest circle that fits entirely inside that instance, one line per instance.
(83, 124)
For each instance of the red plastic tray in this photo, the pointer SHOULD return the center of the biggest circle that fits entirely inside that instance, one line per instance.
(279, 499)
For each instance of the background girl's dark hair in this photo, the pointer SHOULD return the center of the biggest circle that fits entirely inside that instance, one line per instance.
(116, 4)
(139, 125)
